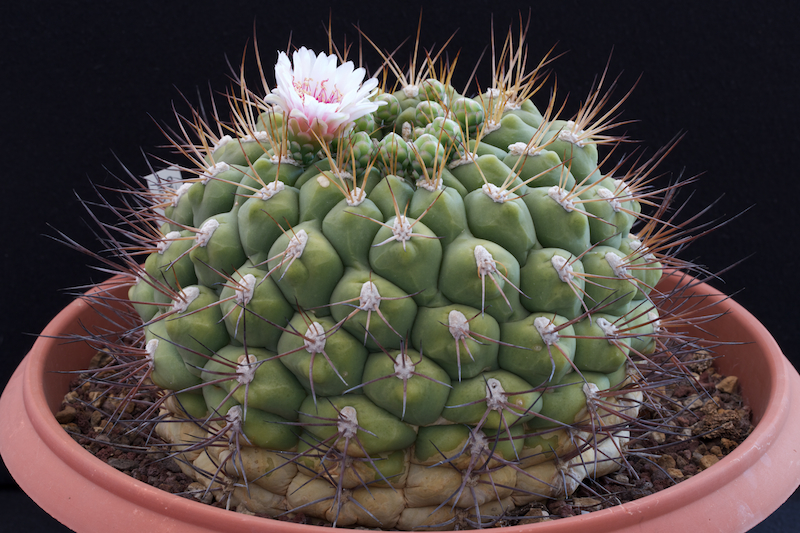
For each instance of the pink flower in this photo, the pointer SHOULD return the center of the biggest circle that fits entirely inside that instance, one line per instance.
(318, 96)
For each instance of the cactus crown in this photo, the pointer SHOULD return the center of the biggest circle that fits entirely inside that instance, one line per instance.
(398, 308)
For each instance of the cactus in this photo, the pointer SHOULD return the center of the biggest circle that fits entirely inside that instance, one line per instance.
(400, 309)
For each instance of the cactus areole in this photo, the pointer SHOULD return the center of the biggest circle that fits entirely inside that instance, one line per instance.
(398, 305)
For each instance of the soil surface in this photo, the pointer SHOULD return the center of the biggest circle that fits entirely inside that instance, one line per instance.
(707, 419)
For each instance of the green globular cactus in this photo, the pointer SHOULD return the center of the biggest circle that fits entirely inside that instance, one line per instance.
(403, 310)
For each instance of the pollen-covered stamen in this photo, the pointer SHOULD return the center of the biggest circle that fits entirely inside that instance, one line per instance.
(185, 299)
(244, 289)
(497, 194)
(617, 265)
(356, 196)
(246, 368)
(547, 330)
(270, 190)
(608, 196)
(458, 325)
(496, 397)
(164, 244)
(213, 171)
(347, 425)
(314, 339)
(206, 231)
(179, 192)
(609, 330)
(563, 268)
(561, 196)
(403, 366)
(572, 134)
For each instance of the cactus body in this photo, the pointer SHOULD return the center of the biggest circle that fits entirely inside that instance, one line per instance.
(417, 317)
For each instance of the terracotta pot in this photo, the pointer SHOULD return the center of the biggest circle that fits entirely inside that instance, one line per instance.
(76, 488)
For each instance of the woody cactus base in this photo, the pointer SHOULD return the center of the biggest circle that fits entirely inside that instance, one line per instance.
(396, 305)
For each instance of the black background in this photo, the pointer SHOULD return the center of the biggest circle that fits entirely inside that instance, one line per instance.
(79, 81)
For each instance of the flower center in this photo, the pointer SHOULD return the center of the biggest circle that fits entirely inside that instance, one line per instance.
(319, 91)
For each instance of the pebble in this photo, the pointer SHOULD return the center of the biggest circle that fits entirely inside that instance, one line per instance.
(72, 427)
(66, 415)
(708, 460)
(667, 462)
(586, 503)
(122, 464)
(675, 473)
(536, 514)
(97, 416)
(96, 398)
(71, 396)
(658, 437)
(242, 509)
(728, 384)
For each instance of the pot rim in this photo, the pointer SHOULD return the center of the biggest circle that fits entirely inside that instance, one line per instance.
(764, 466)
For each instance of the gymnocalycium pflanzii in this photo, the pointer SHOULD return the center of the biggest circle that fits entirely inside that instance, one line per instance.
(392, 304)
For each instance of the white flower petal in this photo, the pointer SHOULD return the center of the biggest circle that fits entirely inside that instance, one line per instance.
(320, 94)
